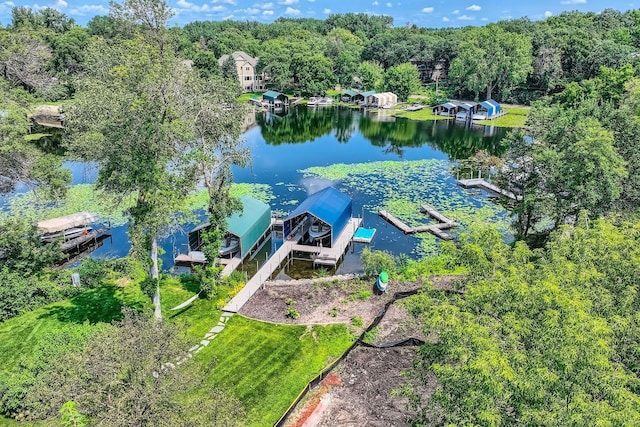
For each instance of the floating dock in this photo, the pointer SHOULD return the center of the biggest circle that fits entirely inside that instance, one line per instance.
(364, 235)
(487, 186)
(435, 229)
(320, 255)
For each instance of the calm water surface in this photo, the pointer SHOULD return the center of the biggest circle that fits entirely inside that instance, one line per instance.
(282, 146)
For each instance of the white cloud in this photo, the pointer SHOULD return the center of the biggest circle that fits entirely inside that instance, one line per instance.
(228, 18)
(445, 19)
(548, 14)
(263, 6)
(484, 19)
(466, 18)
(389, 4)
(88, 9)
(427, 10)
(288, 2)
(231, 2)
(375, 3)
(327, 11)
(573, 1)
(455, 12)
(292, 11)
(267, 12)
(474, 8)
(248, 11)
(311, 1)
(60, 4)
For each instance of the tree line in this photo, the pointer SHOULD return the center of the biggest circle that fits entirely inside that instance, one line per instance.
(512, 61)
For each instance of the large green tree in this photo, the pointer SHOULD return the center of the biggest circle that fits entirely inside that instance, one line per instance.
(403, 80)
(126, 118)
(490, 58)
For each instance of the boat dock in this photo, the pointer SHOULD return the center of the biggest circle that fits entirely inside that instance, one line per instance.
(487, 186)
(437, 230)
(321, 255)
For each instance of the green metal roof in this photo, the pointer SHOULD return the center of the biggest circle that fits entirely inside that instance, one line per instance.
(368, 93)
(349, 92)
(271, 94)
(251, 223)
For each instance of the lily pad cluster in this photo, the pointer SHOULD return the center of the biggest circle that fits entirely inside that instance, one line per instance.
(401, 187)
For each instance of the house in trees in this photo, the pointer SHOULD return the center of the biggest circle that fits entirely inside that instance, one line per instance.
(250, 79)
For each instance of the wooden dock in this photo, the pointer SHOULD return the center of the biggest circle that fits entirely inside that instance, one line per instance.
(435, 229)
(332, 254)
(487, 186)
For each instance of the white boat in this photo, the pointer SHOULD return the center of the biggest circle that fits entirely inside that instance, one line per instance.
(318, 230)
(68, 234)
(230, 245)
(313, 101)
(325, 101)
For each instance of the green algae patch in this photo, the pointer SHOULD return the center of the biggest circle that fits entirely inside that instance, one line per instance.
(33, 206)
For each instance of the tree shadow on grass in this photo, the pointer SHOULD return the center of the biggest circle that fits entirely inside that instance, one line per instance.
(190, 283)
(93, 306)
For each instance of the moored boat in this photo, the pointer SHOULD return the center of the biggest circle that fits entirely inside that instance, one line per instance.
(230, 245)
(318, 230)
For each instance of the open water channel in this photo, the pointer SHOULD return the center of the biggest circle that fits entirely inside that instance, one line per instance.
(380, 161)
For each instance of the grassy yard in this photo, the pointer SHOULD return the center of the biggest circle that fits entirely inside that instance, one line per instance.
(198, 317)
(245, 97)
(21, 334)
(515, 119)
(266, 365)
(422, 115)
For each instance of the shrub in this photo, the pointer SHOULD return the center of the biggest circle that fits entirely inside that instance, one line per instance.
(374, 262)
(357, 321)
(293, 313)
(333, 312)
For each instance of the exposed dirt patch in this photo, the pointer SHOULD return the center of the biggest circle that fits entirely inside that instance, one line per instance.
(368, 393)
(326, 301)
(398, 325)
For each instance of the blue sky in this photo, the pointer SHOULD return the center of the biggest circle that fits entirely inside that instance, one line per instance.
(424, 13)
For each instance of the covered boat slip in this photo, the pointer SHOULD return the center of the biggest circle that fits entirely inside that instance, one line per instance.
(248, 226)
(75, 220)
(329, 206)
(488, 110)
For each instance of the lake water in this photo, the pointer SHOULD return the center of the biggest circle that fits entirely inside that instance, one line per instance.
(282, 147)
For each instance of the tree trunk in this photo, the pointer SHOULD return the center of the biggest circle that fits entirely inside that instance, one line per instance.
(155, 276)
(489, 90)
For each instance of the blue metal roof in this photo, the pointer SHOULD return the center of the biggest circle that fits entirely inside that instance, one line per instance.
(328, 205)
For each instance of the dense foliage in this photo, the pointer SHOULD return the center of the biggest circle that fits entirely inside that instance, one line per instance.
(540, 338)
(516, 60)
(115, 376)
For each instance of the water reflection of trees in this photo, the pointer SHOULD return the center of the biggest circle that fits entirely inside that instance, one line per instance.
(304, 124)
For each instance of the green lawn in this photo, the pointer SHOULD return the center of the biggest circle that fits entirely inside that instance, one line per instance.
(422, 115)
(21, 334)
(199, 317)
(245, 97)
(515, 119)
(267, 365)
